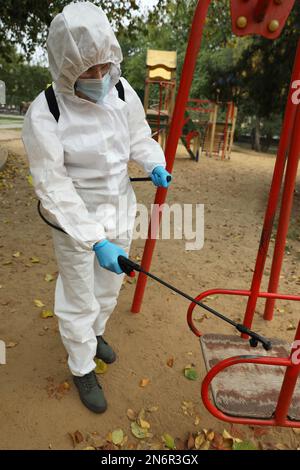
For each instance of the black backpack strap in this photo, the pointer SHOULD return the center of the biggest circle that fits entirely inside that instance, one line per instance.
(52, 102)
(121, 91)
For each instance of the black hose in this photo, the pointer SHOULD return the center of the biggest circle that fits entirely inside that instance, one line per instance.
(62, 230)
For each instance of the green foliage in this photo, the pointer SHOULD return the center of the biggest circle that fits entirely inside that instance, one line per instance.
(26, 22)
(23, 81)
(252, 71)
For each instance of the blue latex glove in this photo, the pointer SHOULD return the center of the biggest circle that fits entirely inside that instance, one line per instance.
(107, 254)
(159, 177)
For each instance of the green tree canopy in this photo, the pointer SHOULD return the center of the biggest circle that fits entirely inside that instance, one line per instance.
(26, 22)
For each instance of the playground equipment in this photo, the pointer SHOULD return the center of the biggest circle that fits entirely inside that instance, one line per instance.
(273, 379)
(160, 91)
(204, 133)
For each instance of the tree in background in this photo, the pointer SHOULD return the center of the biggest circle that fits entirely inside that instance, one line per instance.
(25, 23)
(252, 71)
(23, 81)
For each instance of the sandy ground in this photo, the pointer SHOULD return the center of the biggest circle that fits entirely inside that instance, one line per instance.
(36, 410)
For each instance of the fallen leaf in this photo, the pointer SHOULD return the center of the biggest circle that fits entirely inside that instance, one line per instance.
(229, 440)
(34, 259)
(101, 367)
(38, 303)
(197, 420)
(144, 424)
(205, 446)
(141, 415)
(11, 344)
(244, 445)
(199, 440)
(124, 442)
(89, 448)
(217, 442)
(6, 263)
(144, 382)
(156, 446)
(47, 314)
(170, 362)
(191, 442)
(96, 441)
(179, 444)
(76, 437)
(66, 386)
(30, 180)
(190, 373)
(49, 278)
(117, 436)
(131, 415)
(281, 446)
(169, 441)
(17, 254)
(138, 432)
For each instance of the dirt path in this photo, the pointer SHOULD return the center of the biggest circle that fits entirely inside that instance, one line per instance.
(36, 409)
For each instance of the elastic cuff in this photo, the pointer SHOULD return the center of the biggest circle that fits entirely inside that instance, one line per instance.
(100, 244)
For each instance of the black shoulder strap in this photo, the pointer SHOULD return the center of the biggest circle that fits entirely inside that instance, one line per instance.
(52, 102)
(121, 91)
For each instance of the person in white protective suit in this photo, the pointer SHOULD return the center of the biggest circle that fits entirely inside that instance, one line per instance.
(78, 164)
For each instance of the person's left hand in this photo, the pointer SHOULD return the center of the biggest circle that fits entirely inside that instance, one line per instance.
(161, 177)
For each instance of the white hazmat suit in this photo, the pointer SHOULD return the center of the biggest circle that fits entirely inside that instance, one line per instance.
(79, 170)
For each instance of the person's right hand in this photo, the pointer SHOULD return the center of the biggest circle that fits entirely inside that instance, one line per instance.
(107, 254)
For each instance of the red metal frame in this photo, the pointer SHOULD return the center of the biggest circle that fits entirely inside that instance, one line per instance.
(258, 13)
(239, 292)
(285, 139)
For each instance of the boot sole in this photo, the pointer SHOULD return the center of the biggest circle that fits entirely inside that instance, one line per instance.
(106, 361)
(93, 408)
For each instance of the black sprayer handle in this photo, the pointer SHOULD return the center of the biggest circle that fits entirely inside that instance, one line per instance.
(254, 337)
(149, 179)
(128, 267)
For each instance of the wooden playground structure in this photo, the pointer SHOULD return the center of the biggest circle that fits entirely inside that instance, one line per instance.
(160, 89)
(204, 131)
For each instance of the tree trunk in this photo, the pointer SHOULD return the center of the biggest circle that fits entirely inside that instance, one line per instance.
(256, 145)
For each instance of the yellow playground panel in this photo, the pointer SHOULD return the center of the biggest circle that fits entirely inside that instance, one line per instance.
(160, 91)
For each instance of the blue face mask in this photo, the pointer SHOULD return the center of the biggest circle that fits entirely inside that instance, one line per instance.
(95, 89)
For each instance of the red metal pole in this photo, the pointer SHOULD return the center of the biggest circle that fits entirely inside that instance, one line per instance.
(173, 139)
(289, 383)
(288, 122)
(285, 214)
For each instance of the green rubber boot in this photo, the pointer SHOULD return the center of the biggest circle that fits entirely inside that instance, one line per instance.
(105, 351)
(90, 392)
